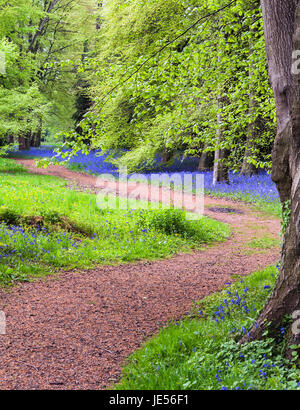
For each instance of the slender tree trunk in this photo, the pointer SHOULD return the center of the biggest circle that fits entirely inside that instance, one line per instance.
(249, 169)
(224, 170)
(204, 162)
(282, 34)
(35, 140)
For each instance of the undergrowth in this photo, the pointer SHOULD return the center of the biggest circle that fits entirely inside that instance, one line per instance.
(202, 351)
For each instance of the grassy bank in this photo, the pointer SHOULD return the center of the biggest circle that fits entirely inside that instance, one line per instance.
(45, 226)
(202, 351)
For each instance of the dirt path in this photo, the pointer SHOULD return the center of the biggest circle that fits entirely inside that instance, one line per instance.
(73, 331)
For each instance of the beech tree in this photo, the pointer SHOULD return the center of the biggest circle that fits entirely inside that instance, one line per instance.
(158, 79)
(282, 36)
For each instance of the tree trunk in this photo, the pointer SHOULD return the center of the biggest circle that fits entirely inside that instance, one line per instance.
(282, 34)
(249, 169)
(205, 160)
(24, 142)
(224, 167)
(202, 162)
(35, 140)
(221, 172)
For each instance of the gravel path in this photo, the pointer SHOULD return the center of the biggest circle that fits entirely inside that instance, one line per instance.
(74, 330)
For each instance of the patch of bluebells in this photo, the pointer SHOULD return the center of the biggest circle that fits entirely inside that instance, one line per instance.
(256, 360)
(253, 188)
(34, 245)
(94, 162)
(236, 302)
(261, 364)
(41, 245)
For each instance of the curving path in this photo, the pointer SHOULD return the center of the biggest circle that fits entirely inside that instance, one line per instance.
(74, 330)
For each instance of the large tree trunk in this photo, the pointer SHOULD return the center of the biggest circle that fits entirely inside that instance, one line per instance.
(282, 34)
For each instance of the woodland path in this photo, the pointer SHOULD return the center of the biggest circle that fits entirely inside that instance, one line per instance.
(74, 330)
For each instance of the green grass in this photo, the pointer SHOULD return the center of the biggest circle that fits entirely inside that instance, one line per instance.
(77, 167)
(202, 352)
(266, 242)
(61, 228)
(259, 204)
(273, 208)
(44, 227)
(9, 166)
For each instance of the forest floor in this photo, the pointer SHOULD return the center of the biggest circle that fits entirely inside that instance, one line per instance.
(75, 330)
